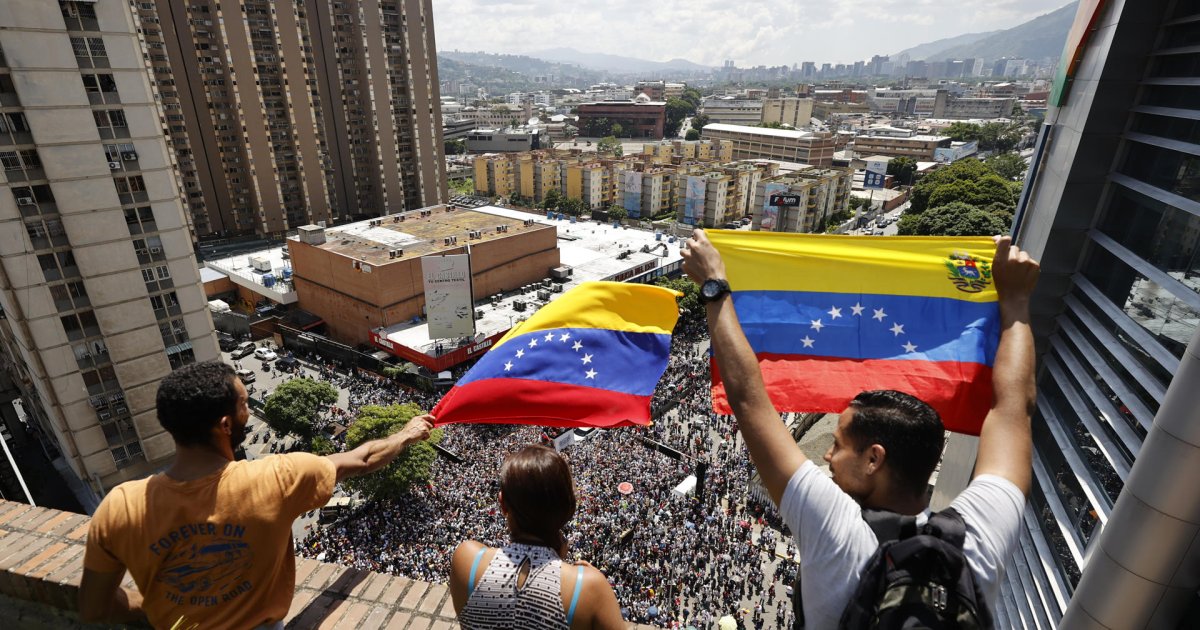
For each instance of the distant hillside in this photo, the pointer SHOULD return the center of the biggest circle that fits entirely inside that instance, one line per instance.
(1040, 38)
(511, 72)
(616, 63)
(927, 51)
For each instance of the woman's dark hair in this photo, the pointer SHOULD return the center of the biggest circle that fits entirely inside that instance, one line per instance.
(909, 430)
(539, 494)
(192, 399)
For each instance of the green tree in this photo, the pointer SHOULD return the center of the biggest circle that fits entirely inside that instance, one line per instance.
(699, 121)
(903, 169)
(618, 130)
(572, 206)
(962, 170)
(610, 144)
(962, 132)
(616, 213)
(989, 189)
(456, 147)
(551, 200)
(690, 302)
(956, 219)
(692, 97)
(294, 406)
(692, 134)
(411, 467)
(677, 110)
(1010, 166)
(322, 445)
(772, 125)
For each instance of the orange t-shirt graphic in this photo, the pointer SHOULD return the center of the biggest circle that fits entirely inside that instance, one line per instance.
(216, 550)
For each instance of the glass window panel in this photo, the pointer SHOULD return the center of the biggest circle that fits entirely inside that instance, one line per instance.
(1157, 232)
(1063, 559)
(1084, 443)
(1169, 170)
(1153, 307)
(1132, 381)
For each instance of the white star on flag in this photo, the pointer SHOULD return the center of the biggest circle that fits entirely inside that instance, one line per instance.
(897, 329)
(909, 347)
(532, 342)
(857, 308)
(564, 337)
(808, 343)
(520, 353)
(507, 365)
(817, 325)
(879, 314)
(591, 374)
(549, 336)
(834, 312)
(577, 346)
(587, 358)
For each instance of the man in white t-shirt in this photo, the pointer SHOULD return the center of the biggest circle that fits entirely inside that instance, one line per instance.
(885, 448)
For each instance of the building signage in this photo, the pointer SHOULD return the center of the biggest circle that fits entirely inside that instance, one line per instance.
(482, 345)
(448, 302)
(632, 181)
(693, 204)
(770, 213)
(872, 180)
(789, 201)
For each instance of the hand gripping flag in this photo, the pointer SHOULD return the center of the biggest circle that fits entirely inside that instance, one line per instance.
(832, 316)
(591, 358)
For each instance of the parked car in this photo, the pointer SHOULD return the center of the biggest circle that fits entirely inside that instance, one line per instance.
(265, 354)
(287, 364)
(247, 376)
(226, 341)
(245, 348)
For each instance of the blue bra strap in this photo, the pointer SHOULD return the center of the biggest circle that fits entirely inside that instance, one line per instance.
(575, 596)
(474, 568)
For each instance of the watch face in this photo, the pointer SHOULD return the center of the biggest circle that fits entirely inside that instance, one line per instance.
(710, 289)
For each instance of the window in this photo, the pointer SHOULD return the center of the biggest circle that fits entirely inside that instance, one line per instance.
(99, 82)
(163, 272)
(118, 152)
(148, 276)
(20, 160)
(156, 301)
(130, 185)
(109, 118)
(88, 47)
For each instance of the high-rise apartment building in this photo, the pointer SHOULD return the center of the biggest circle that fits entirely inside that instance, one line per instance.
(99, 287)
(283, 114)
(1113, 213)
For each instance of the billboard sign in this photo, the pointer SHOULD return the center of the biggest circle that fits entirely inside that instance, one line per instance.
(789, 201)
(633, 193)
(872, 179)
(448, 302)
(693, 203)
(770, 213)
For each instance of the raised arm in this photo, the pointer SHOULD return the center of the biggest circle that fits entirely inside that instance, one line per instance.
(772, 449)
(373, 455)
(1005, 442)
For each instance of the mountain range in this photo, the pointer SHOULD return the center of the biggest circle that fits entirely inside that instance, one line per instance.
(616, 63)
(1040, 38)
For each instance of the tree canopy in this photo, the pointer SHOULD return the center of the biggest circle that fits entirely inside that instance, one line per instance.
(410, 467)
(690, 302)
(999, 137)
(677, 110)
(610, 144)
(692, 134)
(616, 213)
(956, 219)
(903, 169)
(970, 181)
(699, 120)
(295, 405)
(1010, 166)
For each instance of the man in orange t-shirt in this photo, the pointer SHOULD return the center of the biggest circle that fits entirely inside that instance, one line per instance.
(210, 539)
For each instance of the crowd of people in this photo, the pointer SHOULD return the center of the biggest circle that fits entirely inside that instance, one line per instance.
(673, 559)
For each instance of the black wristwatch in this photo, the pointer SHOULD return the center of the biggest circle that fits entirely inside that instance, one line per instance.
(712, 290)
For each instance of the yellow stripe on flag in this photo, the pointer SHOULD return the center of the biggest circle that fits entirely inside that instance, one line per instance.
(885, 265)
(618, 306)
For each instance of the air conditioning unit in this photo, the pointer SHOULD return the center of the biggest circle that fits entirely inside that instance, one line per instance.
(129, 156)
(26, 201)
(392, 254)
(155, 250)
(116, 166)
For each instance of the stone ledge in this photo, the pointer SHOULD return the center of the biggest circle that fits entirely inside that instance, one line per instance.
(41, 562)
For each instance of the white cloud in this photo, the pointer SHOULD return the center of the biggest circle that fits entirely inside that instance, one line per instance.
(752, 32)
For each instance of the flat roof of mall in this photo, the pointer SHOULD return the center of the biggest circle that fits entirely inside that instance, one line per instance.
(590, 249)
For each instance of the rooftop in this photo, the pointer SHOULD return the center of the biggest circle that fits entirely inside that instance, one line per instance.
(589, 249)
(370, 241)
(273, 263)
(762, 131)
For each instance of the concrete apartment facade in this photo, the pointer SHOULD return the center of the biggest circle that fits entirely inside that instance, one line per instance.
(282, 115)
(640, 118)
(1108, 538)
(823, 192)
(918, 147)
(732, 111)
(794, 112)
(815, 148)
(98, 283)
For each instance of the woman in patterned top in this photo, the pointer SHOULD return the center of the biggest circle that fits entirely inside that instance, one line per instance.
(526, 584)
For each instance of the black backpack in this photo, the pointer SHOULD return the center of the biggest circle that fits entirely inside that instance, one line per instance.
(917, 579)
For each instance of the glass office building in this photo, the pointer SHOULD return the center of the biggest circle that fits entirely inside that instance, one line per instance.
(1113, 213)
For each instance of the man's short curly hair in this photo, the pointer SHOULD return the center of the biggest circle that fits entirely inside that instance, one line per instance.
(910, 431)
(192, 400)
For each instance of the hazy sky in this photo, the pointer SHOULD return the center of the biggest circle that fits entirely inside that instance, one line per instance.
(751, 32)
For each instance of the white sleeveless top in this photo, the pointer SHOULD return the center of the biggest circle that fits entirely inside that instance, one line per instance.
(495, 603)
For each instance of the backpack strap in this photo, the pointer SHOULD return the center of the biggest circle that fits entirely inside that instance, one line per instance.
(949, 526)
(889, 526)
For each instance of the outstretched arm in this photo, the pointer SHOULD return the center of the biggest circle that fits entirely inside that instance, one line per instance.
(373, 455)
(772, 449)
(1005, 442)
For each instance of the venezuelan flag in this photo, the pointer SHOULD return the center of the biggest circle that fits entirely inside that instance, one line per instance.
(591, 358)
(832, 316)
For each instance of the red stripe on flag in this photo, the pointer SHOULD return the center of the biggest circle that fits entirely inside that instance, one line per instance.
(525, 401)
(960, 392)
